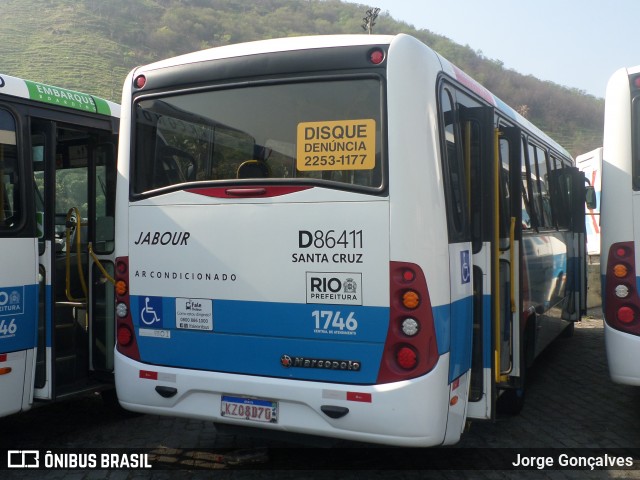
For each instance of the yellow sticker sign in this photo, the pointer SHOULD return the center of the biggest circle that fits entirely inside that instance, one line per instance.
(336, 145)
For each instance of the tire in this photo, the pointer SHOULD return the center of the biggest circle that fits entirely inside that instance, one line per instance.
(568, 332)
(511, 401)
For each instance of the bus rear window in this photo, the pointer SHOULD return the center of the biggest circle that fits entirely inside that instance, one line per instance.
(327, 131)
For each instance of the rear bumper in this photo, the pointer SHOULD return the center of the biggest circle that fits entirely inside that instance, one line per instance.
(409, 413)
(623, 356)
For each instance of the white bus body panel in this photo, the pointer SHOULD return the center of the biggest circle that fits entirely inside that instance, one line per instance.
(15, 392)
(623, 356)
(18, 315)
(616, 168)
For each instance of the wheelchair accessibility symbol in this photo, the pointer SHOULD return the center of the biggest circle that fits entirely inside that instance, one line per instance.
(151, 313)
(465, 267)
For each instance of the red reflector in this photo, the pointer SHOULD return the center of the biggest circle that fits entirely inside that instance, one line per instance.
(407, 358)
(636, 81)
(3, 357)
(124, 336)
(626, 314)
(621, 252)
(359, 397)
(149, 375)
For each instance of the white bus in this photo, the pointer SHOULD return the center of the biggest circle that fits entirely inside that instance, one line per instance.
(591, 164)
(57, 194)
(620, 225)
(343, 236)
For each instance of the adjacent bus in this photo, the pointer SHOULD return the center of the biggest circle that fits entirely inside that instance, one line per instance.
(620, 225)
(591, 164)
(343, 236)
(57, 197)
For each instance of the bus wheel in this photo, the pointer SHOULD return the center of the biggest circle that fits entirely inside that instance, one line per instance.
(568, 332)
(511, 401)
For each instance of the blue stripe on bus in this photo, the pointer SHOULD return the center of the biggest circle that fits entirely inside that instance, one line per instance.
(251, 337)
(454, 333)
(272, 319)
(253, 355)
(18, 318)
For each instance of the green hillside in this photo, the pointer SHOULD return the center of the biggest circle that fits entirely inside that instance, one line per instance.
(90, 45)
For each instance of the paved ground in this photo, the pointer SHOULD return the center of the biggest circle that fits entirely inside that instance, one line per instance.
(571, 407)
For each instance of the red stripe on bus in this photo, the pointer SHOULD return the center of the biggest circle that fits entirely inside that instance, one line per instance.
(247, 191)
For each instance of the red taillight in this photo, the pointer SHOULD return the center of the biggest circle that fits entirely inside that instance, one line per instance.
(620, 296)
(125, 335)
(125, 331)
(410, 348)
(626, 315)
(407, 358)
(408, 275)
(121, 267)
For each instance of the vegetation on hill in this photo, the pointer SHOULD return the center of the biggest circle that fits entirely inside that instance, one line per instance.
(90, 45)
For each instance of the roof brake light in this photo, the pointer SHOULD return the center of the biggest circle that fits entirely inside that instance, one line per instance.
(140, 81)
(376, 56)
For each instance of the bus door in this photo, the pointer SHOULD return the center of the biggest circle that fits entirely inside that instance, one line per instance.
(570, 189)
(487, 155)
(74, 173)
(18, 274)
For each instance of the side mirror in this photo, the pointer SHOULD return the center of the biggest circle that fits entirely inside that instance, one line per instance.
(590, 197)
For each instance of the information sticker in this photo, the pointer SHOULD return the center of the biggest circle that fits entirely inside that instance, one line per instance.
(194, 314)
(336, 145)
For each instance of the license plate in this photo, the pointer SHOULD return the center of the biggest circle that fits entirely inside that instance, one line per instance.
(253, 409)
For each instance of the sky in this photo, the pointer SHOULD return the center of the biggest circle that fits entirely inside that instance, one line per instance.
(574, 43)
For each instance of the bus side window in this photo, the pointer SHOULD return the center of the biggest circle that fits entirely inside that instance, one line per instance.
(505, 193)
(543, 183)
(534, 185)
(560, 191)
(526, 208)
(9, 176)
(455, 185)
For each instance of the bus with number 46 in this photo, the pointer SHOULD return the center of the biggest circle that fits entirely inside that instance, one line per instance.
(343, 236)
(57, 202)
